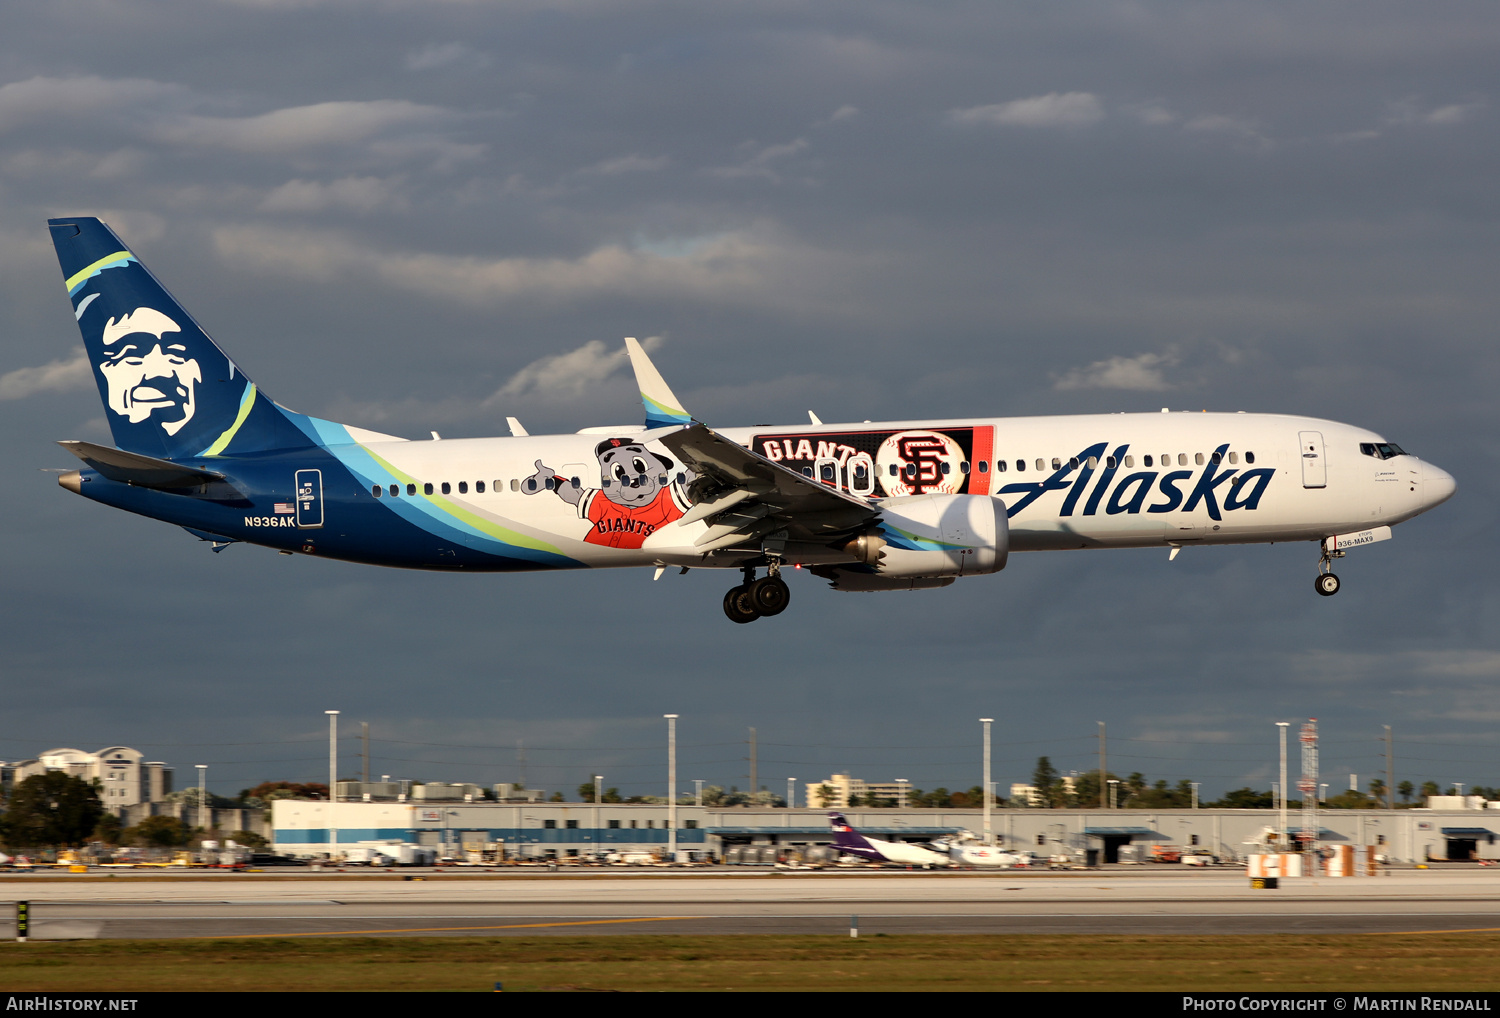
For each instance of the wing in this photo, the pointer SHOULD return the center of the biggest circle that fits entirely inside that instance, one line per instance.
(749, 500)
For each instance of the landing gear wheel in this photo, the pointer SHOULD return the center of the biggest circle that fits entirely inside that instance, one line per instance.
(1327, 584)
(770, 595)
(739, 606)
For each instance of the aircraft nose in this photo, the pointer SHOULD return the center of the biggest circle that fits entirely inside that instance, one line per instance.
(1437, 485)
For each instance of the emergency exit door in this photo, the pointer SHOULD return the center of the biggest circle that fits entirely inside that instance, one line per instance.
(1314, 466)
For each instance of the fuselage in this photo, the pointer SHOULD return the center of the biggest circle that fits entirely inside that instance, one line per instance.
(566, 501)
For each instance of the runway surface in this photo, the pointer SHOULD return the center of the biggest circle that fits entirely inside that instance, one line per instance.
(603, 903)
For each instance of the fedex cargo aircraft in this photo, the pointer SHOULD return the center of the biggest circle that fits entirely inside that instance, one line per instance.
(868, 506)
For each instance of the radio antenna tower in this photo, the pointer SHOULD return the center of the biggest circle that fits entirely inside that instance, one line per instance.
(1309, 788)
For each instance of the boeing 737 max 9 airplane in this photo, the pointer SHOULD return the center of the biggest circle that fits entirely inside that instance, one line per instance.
(871, 506)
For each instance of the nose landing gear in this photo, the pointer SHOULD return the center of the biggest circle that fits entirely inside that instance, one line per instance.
(754, 598)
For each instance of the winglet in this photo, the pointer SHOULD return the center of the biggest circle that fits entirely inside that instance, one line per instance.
(662, 407)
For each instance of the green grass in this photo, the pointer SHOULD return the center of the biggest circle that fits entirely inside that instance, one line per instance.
(1440, 961)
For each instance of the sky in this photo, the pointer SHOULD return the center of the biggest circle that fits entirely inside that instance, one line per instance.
(418, 215)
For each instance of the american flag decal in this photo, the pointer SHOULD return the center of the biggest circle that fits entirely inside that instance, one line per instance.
(285, 508)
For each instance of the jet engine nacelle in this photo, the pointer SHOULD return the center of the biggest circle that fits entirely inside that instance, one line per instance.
(930, 537)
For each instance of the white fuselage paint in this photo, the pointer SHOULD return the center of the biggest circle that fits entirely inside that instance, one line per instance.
(1358, 491)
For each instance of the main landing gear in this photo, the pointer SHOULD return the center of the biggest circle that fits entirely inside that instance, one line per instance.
(754, 598)
(1327, 584)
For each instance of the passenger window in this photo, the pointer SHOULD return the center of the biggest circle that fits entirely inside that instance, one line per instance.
(1020, 466)
(604, 483)
(1129, 461)
(911, 471)
(984, 466)
(530, 484)
(411, 489)
(1109, 461)
(963, 467)
(681, 477)
(1198, 458)
(1216, 458)
(577, 485)
(1182, 459)
(375, 490)
(1234, 457)
(1145, 460)
(395, 491)
(1093, 462)
(807, 471)
(946, 468)
(515, 484)
(463, 487)
(479, 487)
(551, 483)
(1056, 463)
(447, 489)
(1249, 457)
(894, 470)
(427, 488)
(1041, 464)
(826, 471)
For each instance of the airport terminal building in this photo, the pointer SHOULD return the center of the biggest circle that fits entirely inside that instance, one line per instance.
(538, 830)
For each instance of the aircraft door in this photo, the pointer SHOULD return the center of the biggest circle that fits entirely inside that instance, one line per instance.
(826, 471)
(861, 475)
(1314, 465)
(309, 499)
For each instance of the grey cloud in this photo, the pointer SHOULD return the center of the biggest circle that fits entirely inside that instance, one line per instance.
(57, 376)
(1055, 109)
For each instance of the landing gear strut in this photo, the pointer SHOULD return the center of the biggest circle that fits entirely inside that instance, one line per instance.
(754, 598)
(1327, 584)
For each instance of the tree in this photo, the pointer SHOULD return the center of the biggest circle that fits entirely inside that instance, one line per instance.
(824, 793)
(1351, 799)
(1245, 798)
(1377, 788)
(1050, 792)
(1406, 790)
(109, 830)
(557, 797)
(249, 839)
(1429, 788)
(1086, 788)
(159, 832)
(52, 809)
(268, 790)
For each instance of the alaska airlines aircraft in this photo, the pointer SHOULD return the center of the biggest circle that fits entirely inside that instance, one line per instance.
(870, 506)
(849, 841)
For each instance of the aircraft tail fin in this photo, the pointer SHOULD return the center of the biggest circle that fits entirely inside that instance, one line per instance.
(168, 390)
(662, 407)
(845, 836)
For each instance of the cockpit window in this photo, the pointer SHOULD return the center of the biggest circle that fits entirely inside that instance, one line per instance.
(1382, 450)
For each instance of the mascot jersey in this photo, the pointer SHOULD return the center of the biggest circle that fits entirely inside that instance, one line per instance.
(624, 526)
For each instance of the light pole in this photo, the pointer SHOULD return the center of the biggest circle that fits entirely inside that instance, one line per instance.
(791, 793)
(989, 837)
(697, 791)
(1113, 789)
(671, 786)
(598, 795)
(202, 795)
(333, 780)
(1282, 786)
(1195, 794)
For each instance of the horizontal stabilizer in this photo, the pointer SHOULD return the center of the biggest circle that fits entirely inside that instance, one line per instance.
(142, 471)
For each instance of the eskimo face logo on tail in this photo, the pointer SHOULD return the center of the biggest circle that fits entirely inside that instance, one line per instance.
(149, 378)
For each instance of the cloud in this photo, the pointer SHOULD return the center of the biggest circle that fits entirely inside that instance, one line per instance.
(728, 264)
(633, 163)
(1141, 373)
(1055, 109)
(298, 128)
(1409, 111)
(58, 376)
(43, 98)
(759, 163)
(569, 374)
(451, 55)
(361, 194)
